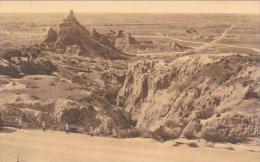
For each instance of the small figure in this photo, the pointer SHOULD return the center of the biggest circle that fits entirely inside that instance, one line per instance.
(91, 131)
(17, 157)
(67, 128)
(20, 123)
(1, 122)
(114, 133)
(43, 126)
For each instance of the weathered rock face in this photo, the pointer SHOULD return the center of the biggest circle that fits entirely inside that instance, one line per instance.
(195, 96)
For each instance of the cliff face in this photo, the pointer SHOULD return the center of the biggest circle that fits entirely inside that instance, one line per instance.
(216, 98)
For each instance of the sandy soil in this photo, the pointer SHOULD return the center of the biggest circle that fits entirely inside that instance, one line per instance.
(51, 146)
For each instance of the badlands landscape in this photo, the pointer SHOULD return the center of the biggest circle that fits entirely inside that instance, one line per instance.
(163, 85)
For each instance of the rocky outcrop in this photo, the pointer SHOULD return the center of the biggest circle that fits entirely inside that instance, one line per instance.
(233, 127)
(79, 91)
(120, 41)
(71, 33)
(35, 67)
(51, 38)
(194, 96)
(61, 111)
(9, 69)
(19, 55)
(178, 47)
(43, 67)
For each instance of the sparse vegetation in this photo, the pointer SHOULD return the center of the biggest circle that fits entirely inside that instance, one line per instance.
(193, 144)
(177, 143)
(210, 144)
(229, 148)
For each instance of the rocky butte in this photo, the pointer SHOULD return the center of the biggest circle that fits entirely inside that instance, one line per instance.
(72, 33)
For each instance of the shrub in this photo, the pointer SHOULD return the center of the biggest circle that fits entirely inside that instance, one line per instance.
(178, 143)
(193, 144)
(229, 148)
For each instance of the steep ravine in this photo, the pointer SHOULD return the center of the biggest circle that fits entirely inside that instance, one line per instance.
(213, 97)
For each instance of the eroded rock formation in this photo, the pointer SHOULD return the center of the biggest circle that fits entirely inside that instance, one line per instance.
(72, 33)
(121, 40)
(195, 96)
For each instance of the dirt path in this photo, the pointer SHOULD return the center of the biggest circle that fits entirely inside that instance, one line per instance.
(51, 146)
(202, 47)
(205, 46)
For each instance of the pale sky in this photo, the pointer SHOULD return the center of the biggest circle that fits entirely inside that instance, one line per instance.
(131, 6)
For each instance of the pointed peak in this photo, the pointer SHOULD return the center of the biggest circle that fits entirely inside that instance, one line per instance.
(71, 15)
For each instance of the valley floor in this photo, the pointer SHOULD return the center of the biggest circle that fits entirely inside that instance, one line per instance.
(53, 146)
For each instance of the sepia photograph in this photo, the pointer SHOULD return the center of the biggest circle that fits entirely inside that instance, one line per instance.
(130, 81)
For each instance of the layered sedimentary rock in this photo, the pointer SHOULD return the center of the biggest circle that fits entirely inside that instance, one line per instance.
(216, 98)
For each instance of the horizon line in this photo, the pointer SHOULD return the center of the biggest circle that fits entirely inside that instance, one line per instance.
(251, 13)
